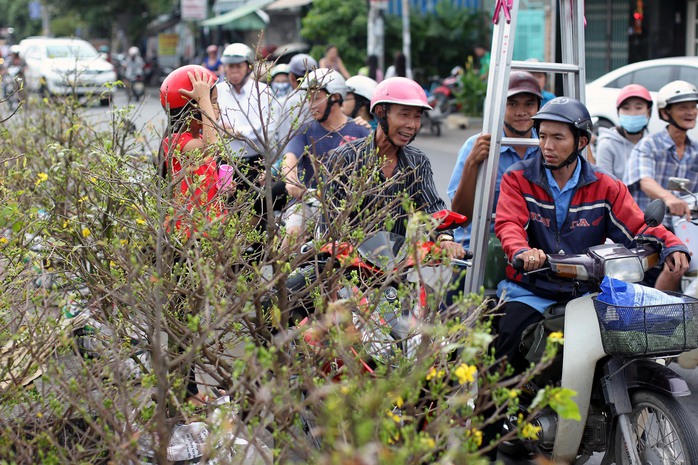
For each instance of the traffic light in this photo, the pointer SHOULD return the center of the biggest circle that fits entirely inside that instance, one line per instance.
(638, 16)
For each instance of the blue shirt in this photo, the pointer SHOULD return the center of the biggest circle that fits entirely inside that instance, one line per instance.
(316, 141)
(507, 157)
(562, 198)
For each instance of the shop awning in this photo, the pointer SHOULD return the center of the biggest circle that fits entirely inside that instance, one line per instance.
(286, 4)
(243, 18)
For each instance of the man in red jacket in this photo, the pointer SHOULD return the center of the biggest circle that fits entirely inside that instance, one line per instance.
(558, 202)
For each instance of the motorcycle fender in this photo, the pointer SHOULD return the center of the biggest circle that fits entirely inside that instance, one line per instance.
(652, 376)
(582, 351)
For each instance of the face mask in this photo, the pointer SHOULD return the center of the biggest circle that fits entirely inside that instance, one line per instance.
(633, 123)
(280, 88)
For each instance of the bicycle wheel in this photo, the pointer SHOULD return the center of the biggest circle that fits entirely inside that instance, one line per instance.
(662, 430)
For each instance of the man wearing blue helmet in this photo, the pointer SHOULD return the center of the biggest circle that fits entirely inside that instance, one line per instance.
(557, 202)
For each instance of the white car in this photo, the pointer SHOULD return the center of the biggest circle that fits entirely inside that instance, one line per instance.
(601, 94)
(66, 66)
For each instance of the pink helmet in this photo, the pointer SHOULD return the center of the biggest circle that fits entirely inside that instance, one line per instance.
(400, 90)
(633, 90)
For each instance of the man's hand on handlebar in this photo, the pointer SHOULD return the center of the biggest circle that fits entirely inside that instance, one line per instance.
(677, 207)
(532, 259)
(676, 263)
(453, 249)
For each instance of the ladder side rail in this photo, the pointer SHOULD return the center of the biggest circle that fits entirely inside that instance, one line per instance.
(493, 123)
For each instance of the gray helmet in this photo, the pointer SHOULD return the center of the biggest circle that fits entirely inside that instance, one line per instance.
(326, 79)
(237, 53)
(301, 64)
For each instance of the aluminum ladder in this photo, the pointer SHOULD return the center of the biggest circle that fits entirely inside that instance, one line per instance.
(571, 17)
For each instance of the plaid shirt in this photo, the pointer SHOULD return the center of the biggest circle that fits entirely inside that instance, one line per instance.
(413, 179)
(655, 157)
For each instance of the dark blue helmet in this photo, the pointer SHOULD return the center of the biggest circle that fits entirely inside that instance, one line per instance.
(566, 110)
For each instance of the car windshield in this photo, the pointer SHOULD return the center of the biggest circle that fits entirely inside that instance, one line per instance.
(71, 50)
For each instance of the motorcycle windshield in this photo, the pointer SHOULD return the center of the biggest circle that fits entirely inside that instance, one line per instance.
(383, 250)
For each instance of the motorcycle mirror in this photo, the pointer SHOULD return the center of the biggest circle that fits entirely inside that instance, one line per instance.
(654, 213)
(677, 184)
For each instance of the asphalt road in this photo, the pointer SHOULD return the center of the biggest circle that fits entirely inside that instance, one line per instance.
(442, 151)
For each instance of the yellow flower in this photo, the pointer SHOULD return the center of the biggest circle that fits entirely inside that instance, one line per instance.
(86, 232)
(514, 393)
(3, 240)
(557, 336)
(399, 402)
(433, 373)
(465, 373)
(529, 431)
(140, 221)
(428, 441)
(394, 417)
(476, 434)
(41, 177)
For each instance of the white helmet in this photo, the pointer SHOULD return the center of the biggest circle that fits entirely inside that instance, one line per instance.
(134, 51)
(675, 92)
(326, 79)
(362, 85)
(237, 53)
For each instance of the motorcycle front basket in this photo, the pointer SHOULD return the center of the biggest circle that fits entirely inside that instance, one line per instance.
(658, 330)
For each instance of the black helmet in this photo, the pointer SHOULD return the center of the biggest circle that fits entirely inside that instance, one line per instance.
(566, 110)
(570, 111)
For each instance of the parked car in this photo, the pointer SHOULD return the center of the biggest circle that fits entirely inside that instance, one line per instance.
(601, 93)
(66, 66)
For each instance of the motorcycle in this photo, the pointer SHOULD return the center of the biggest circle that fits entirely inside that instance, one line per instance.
(384, 319)
(12, 86)
(628, 403)
(137, 88)
(443, 101)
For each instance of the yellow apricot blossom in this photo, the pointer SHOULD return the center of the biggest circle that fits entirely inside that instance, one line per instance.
(465, 373)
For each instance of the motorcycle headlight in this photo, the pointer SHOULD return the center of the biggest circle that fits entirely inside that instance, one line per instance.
(628, 269)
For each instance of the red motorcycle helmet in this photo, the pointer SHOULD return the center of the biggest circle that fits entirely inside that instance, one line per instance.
(402, 91)
(633, 90)
(170, 98)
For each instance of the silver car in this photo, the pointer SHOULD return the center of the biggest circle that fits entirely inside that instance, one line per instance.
(66, 66)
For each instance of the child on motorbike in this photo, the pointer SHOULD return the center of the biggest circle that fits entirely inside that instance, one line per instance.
(614, 145)
(188, 96)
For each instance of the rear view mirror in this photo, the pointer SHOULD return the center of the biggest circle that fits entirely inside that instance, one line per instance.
(678, 184)
(654, 213)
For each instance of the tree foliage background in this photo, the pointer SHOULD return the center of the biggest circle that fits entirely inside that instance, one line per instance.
(440, 40)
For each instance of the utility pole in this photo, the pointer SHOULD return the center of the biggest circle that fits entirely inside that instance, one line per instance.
(376, 31)
(406, 36)
(45, 19)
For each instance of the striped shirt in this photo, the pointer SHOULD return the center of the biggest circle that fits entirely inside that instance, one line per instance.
(655, 157)
(375, 201)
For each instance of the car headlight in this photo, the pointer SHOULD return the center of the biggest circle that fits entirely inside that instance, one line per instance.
(628, 269)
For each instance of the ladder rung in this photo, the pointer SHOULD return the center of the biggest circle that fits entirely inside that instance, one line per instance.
(510, 141)
(545, 66)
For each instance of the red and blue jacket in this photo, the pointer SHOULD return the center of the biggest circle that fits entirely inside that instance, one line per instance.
(601, 208)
